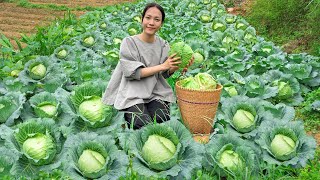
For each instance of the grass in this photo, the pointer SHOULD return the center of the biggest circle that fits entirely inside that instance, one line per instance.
(291, 24)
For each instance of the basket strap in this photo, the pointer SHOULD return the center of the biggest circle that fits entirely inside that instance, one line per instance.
(197, 102)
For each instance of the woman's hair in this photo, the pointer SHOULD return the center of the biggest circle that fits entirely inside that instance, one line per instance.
(150, 5)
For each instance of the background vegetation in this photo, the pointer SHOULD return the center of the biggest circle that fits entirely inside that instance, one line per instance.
(293, 24)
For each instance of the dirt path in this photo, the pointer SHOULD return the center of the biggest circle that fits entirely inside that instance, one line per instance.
(15, 20)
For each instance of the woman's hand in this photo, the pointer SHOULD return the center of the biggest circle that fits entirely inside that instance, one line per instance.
(185, 69)
(171, 63)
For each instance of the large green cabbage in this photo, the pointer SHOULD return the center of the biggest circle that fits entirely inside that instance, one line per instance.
(91, 161)
(281, 146)
(243, 120)
(158, 149)
(183, 50)
(92, 109)
(37, 147)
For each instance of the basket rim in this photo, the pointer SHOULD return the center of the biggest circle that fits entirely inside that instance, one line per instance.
(218, 88)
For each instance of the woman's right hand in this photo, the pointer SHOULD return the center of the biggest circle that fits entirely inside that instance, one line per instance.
(172, 62)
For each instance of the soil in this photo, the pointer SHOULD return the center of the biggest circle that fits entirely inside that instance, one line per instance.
(78, 3)
(316, 135)
(16, 20)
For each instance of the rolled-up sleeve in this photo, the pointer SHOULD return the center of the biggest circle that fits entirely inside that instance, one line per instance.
(130, 60)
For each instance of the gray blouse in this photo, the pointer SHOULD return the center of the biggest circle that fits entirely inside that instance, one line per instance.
(125, 87)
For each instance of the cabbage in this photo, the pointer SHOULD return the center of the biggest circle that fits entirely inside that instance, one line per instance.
(281, 146)
(230, 159)
(230, 18)
(49, 109)
(183, 50)
(103, 25)
(15, 73)
(132, 31)
(38, 71)
(284, 90)
(37, 147)
(242, 120)
(92, 109)
(205, 18)
(232, 91)
(91, 161)
(189, 83)
(198, 58)
(205, 81)
(117, 41)
(158, 149)
(217, 26)
(88, 41)
(227, 40)
(62, 54)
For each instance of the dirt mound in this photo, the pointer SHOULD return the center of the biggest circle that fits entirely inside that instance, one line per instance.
(16, 20)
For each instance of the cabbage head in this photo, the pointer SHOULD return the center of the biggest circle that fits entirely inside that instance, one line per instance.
(284, 90)
(189, 83)
(158, 149)
(231, 90)
(132, 31)
(285, 143)
(90, 155)
(62, 54)
(229, 155)
(37, 147)
(205, 81)
(91, 161)
(92, 109)
(87, 102)
(88, 41)
(39, 142)
(230, 159)
(38, 71)
(281, 146)
(49, 109)
(183, 50)
(45, 105)
(103, 25)
(243, 119)
(163, 150)
(198, 58)
(15, 73)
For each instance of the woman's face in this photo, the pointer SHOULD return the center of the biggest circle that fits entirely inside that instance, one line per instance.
(152, 21)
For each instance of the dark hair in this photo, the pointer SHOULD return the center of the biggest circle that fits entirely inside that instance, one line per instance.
(150, 5)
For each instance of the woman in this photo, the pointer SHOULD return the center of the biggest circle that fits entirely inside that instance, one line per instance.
(138, 85)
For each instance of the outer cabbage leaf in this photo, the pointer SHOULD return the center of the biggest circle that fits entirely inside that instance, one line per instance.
(26, 165)
(248, 154)
(256, 87)
(116, 160)
(85, 92)
(253, 105)
(10, 107)
(280, 80)
(187, 156)
(305, 146)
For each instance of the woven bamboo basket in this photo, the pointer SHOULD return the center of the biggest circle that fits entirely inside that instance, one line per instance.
(198, 108)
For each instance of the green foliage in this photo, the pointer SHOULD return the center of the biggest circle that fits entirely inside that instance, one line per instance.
(273, 14)
(285, 21)
(307, 112)
(311, 171)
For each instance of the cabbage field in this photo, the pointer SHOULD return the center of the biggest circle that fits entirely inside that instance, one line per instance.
(53, 124)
